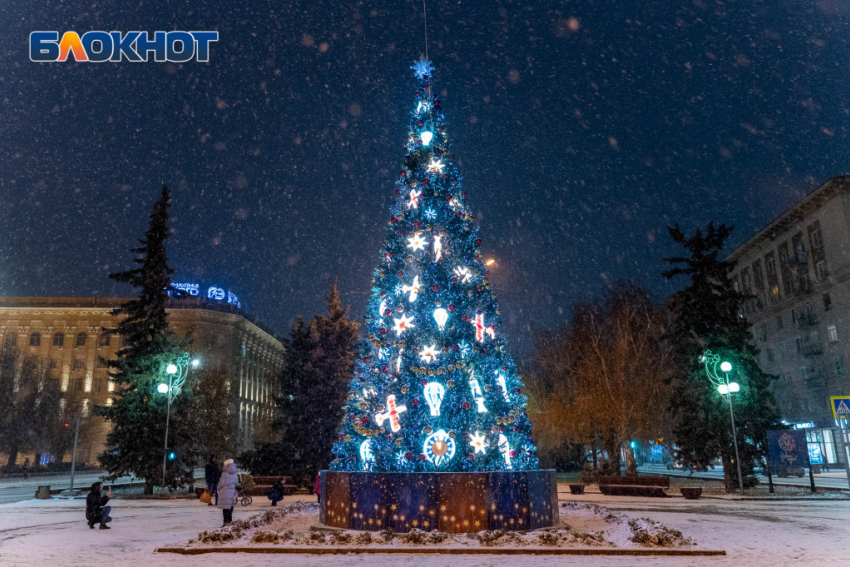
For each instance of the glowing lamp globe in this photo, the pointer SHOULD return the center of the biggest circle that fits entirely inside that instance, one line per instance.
(426, 136)
(726, 366)
(734, 387)
(162, 388)
(195, 363)
(171, 369)
(723, 389)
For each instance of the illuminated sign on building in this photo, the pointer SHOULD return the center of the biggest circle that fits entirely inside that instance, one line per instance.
(214, 293)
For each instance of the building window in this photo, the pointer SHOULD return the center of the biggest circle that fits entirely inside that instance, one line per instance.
(763, 332)
(827, 302)
(35, 339)
(59, 339)
(784, 349)
(833, 333)
(103, 340)
(771, 266)
(770, 354)
(799, 341)
(817, 239)
(801, 253)
(804, 373)
(838, 367)
(11, 339)
(102, 362)
(783, 257)
(810, 312)
(821, 266)
(793, 315)
(98, 386)
(778, 322)
(78, 385)
(735, 286)
(804, 282)
(79, 364)
(81, 339)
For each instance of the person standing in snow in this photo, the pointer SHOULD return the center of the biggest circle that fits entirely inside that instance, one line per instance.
(226, 498)
(212, 474)
(26, 468)
(317, 488)
(96, 509)
(276, 493)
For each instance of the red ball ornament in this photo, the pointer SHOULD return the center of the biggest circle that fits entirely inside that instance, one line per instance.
(460, 214)
(444, 176)
(435, 287)
(414, 402)
(501, 428)
(364, 420)
(448, 197)
(408, 456)
(398, 233)
(504, 369)
(400, 174)
(478, 242)
(455, 348)
(383, 294)
(478, 287)
(513, 454)
(422, 457)
(463, 194)
(452, 158)
(466, 405)
(423, 382)
(366, 359)
(393, 220)
(341, 436)
(454, 280)
(400, 274)
(471, 457)
(388, 312)
(452, 307)
(426, 182)
(383, 368)
(464, 318)
(383, 330)
(420, 123)
(516, 428)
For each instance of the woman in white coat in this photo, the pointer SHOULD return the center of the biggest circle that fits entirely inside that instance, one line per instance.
(227, 490)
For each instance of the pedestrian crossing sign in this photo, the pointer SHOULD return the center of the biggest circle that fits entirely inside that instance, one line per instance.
(840, 406)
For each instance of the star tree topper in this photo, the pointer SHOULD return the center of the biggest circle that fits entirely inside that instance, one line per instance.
(422, 68)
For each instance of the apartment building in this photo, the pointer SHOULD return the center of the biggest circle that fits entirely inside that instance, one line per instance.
(797, 270)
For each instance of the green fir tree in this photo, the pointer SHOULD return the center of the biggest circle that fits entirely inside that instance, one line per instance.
(135, 443)
(707, 316)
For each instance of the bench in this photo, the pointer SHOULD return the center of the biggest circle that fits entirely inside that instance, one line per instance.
(263, 485)
(650, 486)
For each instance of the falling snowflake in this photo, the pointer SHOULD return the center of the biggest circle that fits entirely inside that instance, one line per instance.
(422, 68)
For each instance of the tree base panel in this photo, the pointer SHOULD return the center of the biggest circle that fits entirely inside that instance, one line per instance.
(448, 502)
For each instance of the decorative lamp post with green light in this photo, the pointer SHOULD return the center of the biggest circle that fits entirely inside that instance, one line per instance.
(177, 372)
(725, 388)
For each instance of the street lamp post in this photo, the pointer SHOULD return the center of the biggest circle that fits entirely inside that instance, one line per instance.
(725, 388)
(177, 373)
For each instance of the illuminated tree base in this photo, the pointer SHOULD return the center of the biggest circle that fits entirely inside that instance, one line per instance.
(448, 502)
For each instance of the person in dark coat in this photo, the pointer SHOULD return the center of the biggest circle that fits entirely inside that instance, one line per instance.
(276, 493)
(211, 476)
(227, 490)
(26, 468)
(317, 488)
(96, 509)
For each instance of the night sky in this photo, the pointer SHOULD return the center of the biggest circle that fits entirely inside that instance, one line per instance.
(582, 129)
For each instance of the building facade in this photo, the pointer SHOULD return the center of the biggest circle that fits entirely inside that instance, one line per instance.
(68, 331)
(797, 270)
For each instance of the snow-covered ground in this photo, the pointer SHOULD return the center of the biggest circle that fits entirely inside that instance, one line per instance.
(54, 532)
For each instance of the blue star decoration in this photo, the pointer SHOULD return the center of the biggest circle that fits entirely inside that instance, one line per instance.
(422, 68)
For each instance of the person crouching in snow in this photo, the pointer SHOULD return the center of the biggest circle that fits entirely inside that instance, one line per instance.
(96, 509)
(227, 490)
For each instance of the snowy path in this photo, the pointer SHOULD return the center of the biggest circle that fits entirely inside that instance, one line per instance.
(753, 533)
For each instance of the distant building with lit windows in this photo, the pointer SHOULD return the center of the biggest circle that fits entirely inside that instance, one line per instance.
(68, 332)
(797, 268)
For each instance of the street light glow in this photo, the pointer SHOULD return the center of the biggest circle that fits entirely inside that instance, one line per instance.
(723, 389)
(195, 363)
(734, 387)
(726, 366)
(162, 388)
(171, 369)
(491, 261)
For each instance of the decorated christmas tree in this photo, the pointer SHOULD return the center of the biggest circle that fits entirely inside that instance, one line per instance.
(435, 388)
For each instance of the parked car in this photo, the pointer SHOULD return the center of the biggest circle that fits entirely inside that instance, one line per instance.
(785, 472)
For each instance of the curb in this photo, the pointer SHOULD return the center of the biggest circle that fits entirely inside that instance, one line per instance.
(341, 550)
